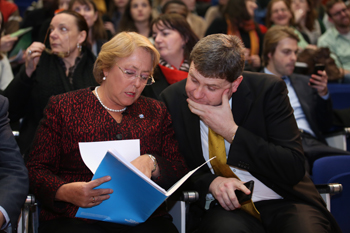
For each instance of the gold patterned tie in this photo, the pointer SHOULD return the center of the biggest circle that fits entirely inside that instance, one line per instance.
(216, 145)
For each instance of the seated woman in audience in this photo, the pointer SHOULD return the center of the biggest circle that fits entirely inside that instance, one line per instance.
(115, 12)
(58, 176)
(306, 20)
(137, 17)
(238, 20)
(97, 34)
(174, 40)
(67, 66)
(280, 13)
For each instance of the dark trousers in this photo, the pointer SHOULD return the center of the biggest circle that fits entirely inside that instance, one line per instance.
(314, 149)
(277, 216)
(74, 225)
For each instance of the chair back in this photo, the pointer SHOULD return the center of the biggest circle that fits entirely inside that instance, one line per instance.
(340, 95)
(341, 202)
(326, 167)
(336, 169)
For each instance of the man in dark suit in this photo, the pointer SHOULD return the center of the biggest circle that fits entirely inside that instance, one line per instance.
(251, 112)
(309, 97)
(13, 173)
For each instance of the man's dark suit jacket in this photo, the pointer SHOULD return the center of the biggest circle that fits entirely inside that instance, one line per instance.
(318, 111)
(267, 142)
(13, 173)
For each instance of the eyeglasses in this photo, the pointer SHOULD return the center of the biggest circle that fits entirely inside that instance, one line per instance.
(338, 13)
(144, 79)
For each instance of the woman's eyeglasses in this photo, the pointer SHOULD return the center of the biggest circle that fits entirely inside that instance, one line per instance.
(144, 79)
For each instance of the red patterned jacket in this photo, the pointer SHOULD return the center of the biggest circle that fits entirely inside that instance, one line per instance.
(78, 117)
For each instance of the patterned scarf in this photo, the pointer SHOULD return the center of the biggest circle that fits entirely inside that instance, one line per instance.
(172, 74)
(248, 26)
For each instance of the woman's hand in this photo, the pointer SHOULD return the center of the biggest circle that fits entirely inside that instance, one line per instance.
(32, 57)
(145, 164)
(7, 43)
(299, 15)
(83, 194)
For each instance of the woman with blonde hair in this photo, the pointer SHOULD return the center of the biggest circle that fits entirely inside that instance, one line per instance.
(114, 110)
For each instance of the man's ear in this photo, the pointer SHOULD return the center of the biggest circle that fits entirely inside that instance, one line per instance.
(236, 84)
(269, 55)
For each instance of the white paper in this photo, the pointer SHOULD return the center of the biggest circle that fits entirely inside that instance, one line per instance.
(92, 153)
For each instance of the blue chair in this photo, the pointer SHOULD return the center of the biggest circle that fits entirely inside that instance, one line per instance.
(340, 94)
(336, 169)
(341, 202)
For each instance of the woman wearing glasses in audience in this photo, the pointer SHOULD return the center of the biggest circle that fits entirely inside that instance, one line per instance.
(279, 13)
(66, 66)
(174, 39)
(114, 110)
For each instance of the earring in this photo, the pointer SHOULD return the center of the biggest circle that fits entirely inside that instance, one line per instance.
(104, 78)
(79, 47)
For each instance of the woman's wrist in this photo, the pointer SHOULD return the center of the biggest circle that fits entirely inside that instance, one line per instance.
(154, 160)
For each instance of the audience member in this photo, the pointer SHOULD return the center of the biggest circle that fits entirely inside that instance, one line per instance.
(306, 20)
(67, 67)
(246, 121)
(13, 174)
(137, 17)
(97, 34)
(115, 12)
(11, 16)
(174, 40)
(337, 38)
(309, 97)
(6, 74)
(58, 176)
(280, 13)
(238, 20)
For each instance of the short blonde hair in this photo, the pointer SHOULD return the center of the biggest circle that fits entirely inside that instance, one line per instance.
(120, 46)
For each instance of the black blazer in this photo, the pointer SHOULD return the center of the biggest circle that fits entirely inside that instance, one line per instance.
(318, 111)
(13, 173)
(267, 142)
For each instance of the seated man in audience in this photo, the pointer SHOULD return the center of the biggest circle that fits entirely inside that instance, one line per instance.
(337, 38)
(309, 97)
(13, 174)
(246, 121)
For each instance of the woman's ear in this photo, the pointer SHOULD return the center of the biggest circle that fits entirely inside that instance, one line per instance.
(82, 36)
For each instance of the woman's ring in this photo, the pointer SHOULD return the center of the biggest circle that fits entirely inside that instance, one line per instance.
(29, 51)
(93, 199)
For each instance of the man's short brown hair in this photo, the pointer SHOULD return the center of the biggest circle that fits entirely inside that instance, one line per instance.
(272, 37)
(219, 56)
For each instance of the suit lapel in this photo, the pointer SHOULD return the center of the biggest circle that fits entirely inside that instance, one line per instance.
(192, 129)
(303, 93)
(241, 102)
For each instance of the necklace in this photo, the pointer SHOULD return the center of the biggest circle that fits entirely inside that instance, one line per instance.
(109, 109)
